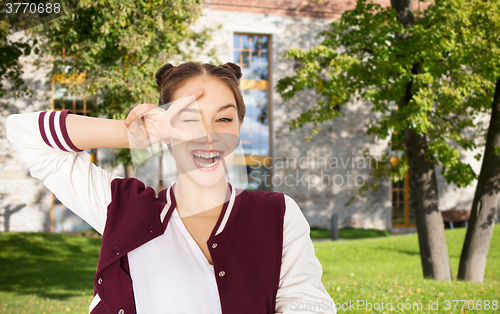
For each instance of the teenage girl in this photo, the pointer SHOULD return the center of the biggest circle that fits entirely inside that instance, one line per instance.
(200, 246)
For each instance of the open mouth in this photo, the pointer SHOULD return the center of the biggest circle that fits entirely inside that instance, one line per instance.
(206, 159)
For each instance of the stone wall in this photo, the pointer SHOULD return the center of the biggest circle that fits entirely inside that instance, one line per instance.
(452, 197)
(24, 201)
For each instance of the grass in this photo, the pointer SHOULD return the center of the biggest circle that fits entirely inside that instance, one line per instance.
(52, 273)
(349, 233)
(389, 270)
(47, 272)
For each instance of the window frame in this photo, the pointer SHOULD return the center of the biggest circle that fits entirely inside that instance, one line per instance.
(407, 202)
(248, 84)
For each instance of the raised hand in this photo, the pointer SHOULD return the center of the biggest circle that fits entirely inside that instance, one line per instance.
(148, 124)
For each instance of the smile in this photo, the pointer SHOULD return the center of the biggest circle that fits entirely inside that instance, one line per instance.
(206, 159)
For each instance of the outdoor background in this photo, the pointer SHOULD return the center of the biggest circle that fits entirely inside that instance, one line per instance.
(373, 117)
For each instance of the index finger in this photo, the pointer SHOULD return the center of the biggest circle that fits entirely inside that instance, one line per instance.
(181, 103)
(139, 111)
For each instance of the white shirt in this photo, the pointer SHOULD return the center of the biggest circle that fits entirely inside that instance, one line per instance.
(85, 189)
(171, 275)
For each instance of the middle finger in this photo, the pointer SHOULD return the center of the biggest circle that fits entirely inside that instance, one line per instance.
(183, 102)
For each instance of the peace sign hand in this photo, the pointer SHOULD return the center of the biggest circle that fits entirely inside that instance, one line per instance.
(148, 124)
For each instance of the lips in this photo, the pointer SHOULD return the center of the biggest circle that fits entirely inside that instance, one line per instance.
(205, 158)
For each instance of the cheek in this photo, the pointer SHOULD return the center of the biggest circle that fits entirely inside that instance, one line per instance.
(178, 146)
(234, 128)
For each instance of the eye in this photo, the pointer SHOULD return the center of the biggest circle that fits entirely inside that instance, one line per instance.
(187, 120)
(225, 120)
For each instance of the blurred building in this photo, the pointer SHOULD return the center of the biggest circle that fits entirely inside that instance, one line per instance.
(320, 175)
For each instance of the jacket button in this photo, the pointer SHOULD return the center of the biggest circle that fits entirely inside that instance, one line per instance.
(121, 311)
(214, 245)
(153, 229)
(116, 250)
(222, 273)
(99, 281)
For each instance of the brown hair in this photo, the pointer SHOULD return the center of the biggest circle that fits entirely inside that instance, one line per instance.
(169, 78)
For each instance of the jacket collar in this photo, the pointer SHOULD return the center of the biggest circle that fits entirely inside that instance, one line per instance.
(118, 240)
(167, 196)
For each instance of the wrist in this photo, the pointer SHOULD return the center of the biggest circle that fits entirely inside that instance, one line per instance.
(125, 143)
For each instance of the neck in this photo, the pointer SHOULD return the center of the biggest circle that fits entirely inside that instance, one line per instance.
(193, 199)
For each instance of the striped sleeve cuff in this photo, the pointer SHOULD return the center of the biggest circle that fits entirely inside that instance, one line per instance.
(52, 126)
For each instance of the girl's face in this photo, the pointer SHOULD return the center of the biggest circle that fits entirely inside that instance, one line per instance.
(214, 116)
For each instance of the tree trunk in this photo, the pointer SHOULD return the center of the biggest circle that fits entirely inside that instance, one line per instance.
(423, 183)
(485, 204)
(425, 197)
(430, 227)
(405, 11)
(129, 171)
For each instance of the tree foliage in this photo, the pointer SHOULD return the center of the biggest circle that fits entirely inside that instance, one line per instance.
(11, 70)
(115, 47)
(360, 58)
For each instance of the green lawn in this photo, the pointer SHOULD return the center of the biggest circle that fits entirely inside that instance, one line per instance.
(52, 273)
(349, 233)
(46, 272)
(388, 269)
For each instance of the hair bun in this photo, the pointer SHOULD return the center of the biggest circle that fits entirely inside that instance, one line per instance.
(233, 67)
(162, 74)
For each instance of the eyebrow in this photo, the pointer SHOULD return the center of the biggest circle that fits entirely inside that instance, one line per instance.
(222, 108)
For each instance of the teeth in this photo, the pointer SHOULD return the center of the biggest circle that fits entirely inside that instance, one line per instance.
(206, 165)
(215, 155)
(206, 155)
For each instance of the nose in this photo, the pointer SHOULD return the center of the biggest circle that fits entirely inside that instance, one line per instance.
(212, 136)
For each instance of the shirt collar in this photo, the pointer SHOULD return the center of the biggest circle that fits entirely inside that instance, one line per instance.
(167, 196)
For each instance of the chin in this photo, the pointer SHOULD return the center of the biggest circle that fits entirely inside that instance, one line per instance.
(206, 179)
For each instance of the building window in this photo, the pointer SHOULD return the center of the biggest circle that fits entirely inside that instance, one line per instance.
(402, 209)
(62, 98)
(251, 53)
(61, 218)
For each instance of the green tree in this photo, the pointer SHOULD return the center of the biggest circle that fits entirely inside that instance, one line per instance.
(426, 63)
(473, 42)
(115, 48)
(11, 70)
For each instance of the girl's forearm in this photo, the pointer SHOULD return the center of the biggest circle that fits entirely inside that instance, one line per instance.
(88, 132)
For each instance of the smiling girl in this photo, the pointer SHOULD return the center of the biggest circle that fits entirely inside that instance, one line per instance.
(201, 245)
